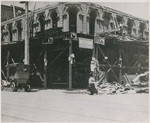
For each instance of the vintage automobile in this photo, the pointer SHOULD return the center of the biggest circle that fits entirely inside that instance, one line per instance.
(19, 76)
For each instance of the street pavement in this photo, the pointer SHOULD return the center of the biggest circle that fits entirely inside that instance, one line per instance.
(72, 106)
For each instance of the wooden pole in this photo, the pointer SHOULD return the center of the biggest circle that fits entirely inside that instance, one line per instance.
(120, 64)
(7, 68)
(70, 65)
(26, 36)
(45, 68)
(96, 48)
(93, 55)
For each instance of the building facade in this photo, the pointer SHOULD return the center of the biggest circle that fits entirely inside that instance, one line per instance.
(52, 28)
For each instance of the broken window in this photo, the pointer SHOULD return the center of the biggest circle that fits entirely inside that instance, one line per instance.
(19, 28)
(10, 31)
(107, 20)
(142, 28)
(119, 19)
(130, 26)
(92, 15)
(54, 17)
(107, 16)
(72, 19)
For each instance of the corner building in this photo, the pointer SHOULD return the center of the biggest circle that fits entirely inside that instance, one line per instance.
(52, 28)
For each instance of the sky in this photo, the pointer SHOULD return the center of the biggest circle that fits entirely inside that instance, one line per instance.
(139, 9)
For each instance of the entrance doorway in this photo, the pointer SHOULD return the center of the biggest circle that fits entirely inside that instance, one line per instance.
(58, 65)
(81, 67)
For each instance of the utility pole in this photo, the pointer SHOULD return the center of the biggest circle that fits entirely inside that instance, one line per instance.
(7, 74)
(70, 65)
(26, 53)
(93, 53)
(120, 64)
(45, 68)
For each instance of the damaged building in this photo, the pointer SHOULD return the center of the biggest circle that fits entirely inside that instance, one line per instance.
(72, 34)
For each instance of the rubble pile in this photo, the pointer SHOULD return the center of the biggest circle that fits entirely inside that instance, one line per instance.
(115, 88)
(141, 79)
(139, 84)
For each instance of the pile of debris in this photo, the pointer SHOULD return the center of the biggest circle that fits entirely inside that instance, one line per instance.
(115, 88)
(138, 84)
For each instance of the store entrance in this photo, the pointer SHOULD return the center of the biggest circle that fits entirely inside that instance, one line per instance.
(81, 67)
(58, 66)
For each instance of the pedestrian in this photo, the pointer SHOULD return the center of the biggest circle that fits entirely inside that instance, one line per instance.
(91, 86)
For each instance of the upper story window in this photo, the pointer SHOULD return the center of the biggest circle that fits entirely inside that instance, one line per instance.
(92, 18)
(130, 26)
(119, 19)
(107, 15)
(72, 11)
(54, 17)
(107, 21)
(41, 20)
(19, 28)
(142, 28)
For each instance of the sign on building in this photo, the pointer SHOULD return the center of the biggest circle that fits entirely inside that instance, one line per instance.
(86, 43)
(99, 40)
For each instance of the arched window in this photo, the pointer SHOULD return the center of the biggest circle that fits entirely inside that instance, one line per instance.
(142, 28)
(119, 19)
(92, 18)
(54, 17)
(72, 18)
(130, 26)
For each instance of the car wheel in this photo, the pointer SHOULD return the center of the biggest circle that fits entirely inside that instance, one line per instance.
(12, 86)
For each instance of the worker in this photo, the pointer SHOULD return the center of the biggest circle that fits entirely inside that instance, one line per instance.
(91, 86)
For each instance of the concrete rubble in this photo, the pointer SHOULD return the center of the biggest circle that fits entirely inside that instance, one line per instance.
(139, 84)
